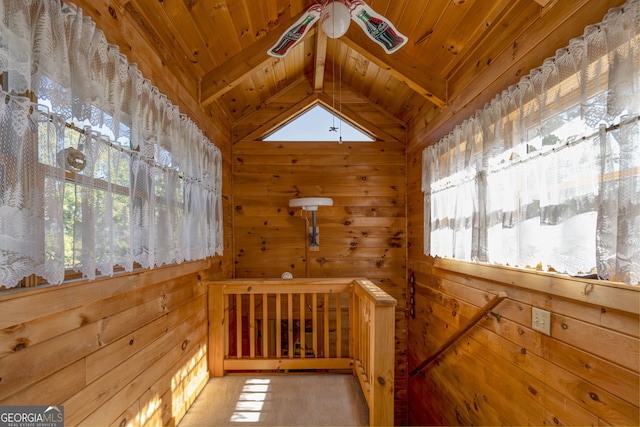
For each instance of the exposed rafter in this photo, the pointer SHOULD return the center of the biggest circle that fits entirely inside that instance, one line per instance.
(305, 104)
(320, 61)
(355, 120)
(402, 66)
(219, 81)
(222, 79)
(284, 117)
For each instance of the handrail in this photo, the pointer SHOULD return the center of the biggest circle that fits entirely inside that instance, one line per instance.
(460, 332)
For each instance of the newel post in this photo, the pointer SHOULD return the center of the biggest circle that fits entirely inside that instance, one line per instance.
(382, 357)
(216, 329)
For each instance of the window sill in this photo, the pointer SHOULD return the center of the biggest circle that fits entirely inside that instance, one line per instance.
(603, 293)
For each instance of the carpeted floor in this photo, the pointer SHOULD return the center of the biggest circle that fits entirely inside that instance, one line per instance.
(279, 400)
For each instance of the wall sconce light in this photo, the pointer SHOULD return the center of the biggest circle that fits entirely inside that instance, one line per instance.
(311, 204)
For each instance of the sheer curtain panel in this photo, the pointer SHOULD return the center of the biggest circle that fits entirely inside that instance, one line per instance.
(547, 175)
(97, 168)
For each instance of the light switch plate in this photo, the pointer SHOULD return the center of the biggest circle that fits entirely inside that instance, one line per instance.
(541, 320)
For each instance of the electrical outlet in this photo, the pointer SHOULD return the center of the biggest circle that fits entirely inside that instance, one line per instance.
(541, 320)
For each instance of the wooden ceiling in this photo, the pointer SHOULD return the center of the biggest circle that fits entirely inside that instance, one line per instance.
(442, 33)
(217, 48)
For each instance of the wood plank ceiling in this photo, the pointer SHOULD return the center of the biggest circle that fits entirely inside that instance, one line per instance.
(218, 47)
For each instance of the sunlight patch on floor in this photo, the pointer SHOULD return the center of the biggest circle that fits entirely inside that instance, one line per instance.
(251, 401)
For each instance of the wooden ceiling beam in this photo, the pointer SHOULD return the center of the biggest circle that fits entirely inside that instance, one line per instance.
(293, 85)
(400, 65)
(222, 79)
(320, 61)
(284, 117)
(349, 115)
(346, 87)
(355, 120)
(304, 105)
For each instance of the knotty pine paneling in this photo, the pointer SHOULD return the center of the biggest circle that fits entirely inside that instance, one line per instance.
(130, 347)
(584, 373)
(362, 235)
(504, 372)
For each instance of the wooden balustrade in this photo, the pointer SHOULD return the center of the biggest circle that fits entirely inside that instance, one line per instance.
(373, 348)
(307, 324)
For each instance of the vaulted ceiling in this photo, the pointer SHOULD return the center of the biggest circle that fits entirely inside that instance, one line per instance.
(217, 49)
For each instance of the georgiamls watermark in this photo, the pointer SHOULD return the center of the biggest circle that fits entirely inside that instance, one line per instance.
(31, 416)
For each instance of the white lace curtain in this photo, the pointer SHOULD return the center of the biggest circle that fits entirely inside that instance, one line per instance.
(138, 183)
(547, 175)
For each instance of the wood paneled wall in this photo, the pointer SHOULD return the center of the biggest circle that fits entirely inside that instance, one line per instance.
(132, 347)
(362, 235)
(129, 349)
(502, 371)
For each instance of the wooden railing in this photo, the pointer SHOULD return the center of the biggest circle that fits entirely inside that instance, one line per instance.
(307, 324)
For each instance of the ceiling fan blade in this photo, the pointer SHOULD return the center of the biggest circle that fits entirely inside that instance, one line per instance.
(295, 33)
(377, 27)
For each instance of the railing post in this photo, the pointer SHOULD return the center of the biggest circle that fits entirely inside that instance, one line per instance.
(216, 330)
(374, 313)
(382, 366)
(353, 331)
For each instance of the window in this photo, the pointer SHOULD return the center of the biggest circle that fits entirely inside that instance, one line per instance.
(105, 173)
(318, 124)
(548, 174)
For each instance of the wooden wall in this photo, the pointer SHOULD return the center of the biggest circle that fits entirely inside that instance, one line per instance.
(128, 348)
(504, 372)
(132, 347)
(362, 235)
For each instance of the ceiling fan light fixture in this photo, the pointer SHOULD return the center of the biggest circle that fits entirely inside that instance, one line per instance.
(335, 19)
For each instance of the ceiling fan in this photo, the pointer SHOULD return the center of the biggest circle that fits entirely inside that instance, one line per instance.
(335, 16)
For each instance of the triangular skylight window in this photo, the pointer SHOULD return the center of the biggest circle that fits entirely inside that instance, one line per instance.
(318, 124)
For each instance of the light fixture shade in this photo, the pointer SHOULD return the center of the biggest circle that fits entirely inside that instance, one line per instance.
(335, 19)
(310, 203)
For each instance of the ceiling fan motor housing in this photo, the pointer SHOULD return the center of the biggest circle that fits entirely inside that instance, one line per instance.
(335, 19)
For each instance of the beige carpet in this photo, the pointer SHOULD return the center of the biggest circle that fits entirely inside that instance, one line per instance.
(279, 400)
